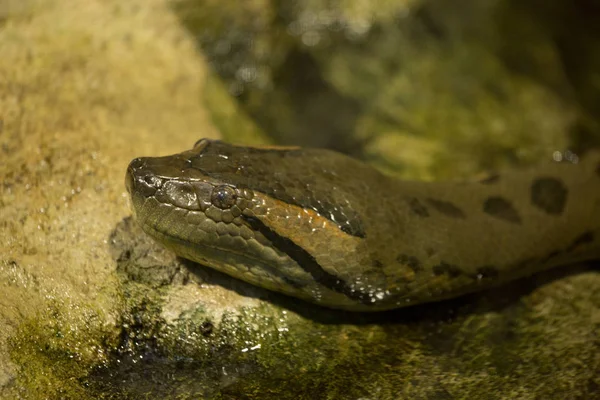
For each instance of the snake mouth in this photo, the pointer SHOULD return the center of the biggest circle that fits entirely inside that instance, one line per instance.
(234, 261)
(174, 239)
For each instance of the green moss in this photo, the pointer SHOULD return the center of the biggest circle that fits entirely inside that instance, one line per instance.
(54, 354)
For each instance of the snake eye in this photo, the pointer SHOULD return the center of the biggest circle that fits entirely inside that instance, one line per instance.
(223, 197)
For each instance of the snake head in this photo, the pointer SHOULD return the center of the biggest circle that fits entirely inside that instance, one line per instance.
(257, 214)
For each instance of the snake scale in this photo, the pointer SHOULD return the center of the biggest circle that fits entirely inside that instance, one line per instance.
(329, 229)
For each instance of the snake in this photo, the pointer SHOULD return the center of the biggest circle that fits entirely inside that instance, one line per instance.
(329, 229)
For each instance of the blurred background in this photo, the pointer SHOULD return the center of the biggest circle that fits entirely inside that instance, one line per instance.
(435, 86)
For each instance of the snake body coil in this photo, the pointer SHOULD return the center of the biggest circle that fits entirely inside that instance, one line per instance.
(329, 229)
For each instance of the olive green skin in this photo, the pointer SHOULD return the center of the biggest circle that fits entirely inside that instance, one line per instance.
(329, 229)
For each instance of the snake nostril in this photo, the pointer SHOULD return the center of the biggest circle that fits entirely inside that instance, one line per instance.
(142, 183)
(152, 181)
(140, 179)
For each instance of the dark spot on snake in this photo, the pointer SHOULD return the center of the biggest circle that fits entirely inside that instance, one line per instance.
(353, 228)
(527, 263)
(549, 195)
(377, 264)
(347, 220)
(501, 208)
(417, 207)
(292, 282)
(447, 208)
(551, 255)
(307, 262)
(448, 269)
(493, 178)
(411, 261)
(487, 271)
(584, 238)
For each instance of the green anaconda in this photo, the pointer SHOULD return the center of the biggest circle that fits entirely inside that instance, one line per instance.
(329, 229)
